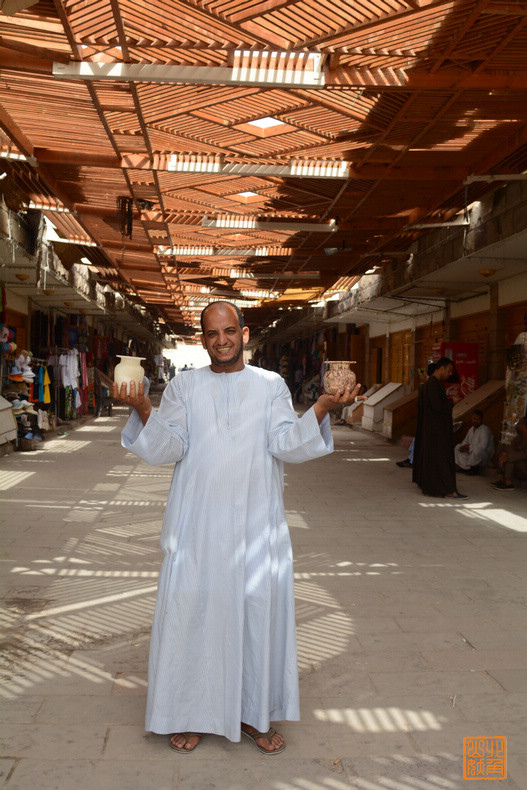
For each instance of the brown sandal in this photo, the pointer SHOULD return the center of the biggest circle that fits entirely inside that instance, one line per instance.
(269, 734)
(187, 736)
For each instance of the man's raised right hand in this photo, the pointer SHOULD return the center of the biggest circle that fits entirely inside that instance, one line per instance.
(136, 398)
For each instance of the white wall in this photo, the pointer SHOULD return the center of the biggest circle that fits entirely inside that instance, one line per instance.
(514, 289)
(16, 302)
(510, 291)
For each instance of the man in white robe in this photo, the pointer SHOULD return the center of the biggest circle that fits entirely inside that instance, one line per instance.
(474, 452)
(223, 646)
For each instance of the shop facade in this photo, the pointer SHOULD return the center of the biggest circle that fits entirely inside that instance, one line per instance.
(62, 332)
(460, 292)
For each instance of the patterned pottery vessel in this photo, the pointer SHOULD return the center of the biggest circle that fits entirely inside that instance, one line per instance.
(338, 376)
(129, 369)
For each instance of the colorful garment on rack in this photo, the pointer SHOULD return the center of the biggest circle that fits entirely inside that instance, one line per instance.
(84, 370)
(46, 383)
(70, 411)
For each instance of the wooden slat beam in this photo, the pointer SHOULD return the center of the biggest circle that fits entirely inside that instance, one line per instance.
(15, 134)
(446, 78)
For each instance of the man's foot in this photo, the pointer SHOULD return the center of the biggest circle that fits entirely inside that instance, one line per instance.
(270, 742)
(185, 742)
(499, 484)
(404, 464)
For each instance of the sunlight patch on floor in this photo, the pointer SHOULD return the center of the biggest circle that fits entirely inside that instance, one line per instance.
(323, 638)
(296, 520)
(95, 428)
(65, 445)
(367, 460)
(329, 783)
(105, 599)
(12, 479)
(500, 516)
(484, 511)
(381, 719)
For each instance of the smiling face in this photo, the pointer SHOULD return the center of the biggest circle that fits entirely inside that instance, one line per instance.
(224, 338)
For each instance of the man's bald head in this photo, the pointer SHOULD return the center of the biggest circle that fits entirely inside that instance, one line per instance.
(239, 314)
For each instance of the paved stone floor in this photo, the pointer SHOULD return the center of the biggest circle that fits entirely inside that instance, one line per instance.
(411, 625)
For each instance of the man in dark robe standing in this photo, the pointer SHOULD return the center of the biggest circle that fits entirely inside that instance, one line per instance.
(434, 468)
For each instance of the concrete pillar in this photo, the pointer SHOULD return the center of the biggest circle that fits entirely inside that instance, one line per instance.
(496, 362)
(29, 322)
(387, 356)
(367, 356)
(411, 361)
(449, 329)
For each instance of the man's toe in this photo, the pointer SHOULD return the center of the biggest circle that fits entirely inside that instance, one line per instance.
(275, 743)
(184, 741)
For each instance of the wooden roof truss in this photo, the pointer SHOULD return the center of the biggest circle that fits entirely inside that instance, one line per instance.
(267, 147)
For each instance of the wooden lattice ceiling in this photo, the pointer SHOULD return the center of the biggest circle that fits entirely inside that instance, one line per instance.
(377, 112)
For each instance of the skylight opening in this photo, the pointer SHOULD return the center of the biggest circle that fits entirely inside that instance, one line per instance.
(266, 123)
(267, 126)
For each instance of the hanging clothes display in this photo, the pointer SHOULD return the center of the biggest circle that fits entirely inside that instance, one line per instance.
(43, 379)
(515, 388)
(65, 368)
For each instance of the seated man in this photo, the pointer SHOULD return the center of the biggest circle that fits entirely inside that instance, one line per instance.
(473, 454)
(512, 460)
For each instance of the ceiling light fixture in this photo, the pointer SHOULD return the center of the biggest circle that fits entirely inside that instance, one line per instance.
(43, 207)
(296, 168)
(250, 223)
(256, 275)
(19, 157)
(496, 177)
(258, 252)
(455, 223)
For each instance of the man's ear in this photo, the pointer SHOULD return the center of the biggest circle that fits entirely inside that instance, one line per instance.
(245, 335)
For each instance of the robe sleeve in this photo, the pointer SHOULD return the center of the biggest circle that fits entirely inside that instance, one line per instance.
(164, 438)
(438, 399)
(295, 439)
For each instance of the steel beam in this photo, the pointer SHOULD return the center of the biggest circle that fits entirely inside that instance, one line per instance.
(192, 75)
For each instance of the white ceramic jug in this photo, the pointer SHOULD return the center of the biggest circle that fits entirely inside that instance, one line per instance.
(129, 369)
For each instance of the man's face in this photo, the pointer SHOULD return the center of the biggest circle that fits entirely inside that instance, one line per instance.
(223, 338)
(445, 372)
(476, 420)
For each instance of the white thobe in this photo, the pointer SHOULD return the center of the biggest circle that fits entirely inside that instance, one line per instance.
(481, 444)
(223, 645)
